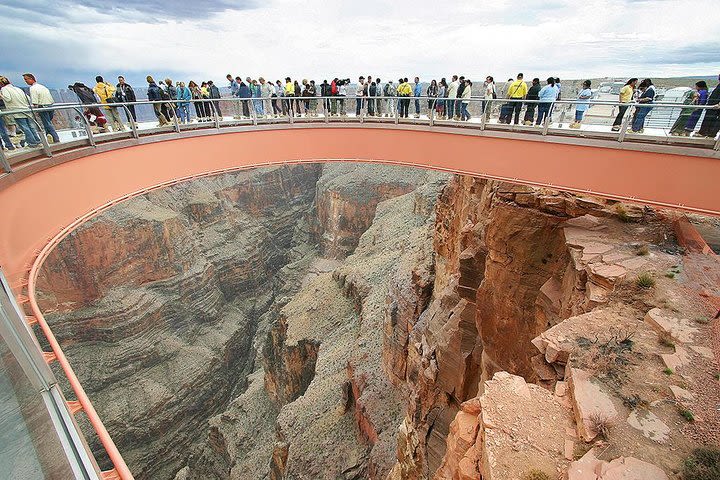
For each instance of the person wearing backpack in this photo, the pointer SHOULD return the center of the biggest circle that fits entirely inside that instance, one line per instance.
(106, 93)
(533, 94)
(378, 102)
(155, 94)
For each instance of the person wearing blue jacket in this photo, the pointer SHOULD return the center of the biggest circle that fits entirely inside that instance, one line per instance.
(417, 91)
(244, 92)
(548, 94)
(183, 108)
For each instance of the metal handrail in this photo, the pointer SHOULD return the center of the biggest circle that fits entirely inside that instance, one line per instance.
(431, 120)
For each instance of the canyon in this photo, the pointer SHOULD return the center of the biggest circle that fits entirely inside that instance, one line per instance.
(346, 320)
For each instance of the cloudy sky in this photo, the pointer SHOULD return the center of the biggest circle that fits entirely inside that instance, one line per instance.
(63, 41)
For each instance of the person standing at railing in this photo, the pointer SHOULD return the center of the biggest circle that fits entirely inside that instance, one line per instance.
(267, 91)
(306, 97)
(214, 94)
(40, 98)
(691, 99)
(647, 96)
(325, 91)
(451, 95)
(417, 92)
(440, 100)
(378, 102)
(458, 103)
(196, 94)
(625, 97)
(297, 91)
(548, 94)
(256, 91)
(372, 92)
(533, 94)
(154, 94)
(517, 91)
(106, 93)
(432, 93)
(405, 91)
(359, 94)
(15, 99)
(342, 93)
(701, 99)
(490, 93)
(245, 95)
(233, 85)
(289, 93)
(582, 104)
(183, 107)
(124, 93)
(465, 99)
(390, 93)
(711, 123)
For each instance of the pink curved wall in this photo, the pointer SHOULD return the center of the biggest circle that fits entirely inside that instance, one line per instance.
(37, 207)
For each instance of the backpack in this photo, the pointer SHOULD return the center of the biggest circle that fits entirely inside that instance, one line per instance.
(389, 90)
(163, 94)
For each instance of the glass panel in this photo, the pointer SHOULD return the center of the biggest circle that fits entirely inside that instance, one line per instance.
(29, 445)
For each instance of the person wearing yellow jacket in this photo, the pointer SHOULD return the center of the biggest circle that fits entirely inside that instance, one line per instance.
(106, 94)
(404, 91)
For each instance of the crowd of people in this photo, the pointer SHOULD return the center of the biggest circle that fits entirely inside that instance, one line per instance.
(259, 98)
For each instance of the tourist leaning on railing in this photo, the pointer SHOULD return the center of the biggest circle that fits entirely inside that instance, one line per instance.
(548, 94)
(625, 97)
(582, 104)
(711, 123)
(15, 99)
(647, 96)
(124, 93)
(40, 97)
(106, 93)
(534, 95)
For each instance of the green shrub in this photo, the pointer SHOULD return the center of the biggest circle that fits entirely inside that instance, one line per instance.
(668, 371)
(645, 280)
(703, 464)
(536, 474)
(687, 414)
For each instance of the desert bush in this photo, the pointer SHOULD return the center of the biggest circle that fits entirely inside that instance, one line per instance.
(602, 424)
(703, 464)
(645, 280)
(536, 474)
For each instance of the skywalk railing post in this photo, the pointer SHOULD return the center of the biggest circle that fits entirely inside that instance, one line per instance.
(625, 123)
(717, 144)
(133, 125)
(216, 118)
(176, 123)
(43, 137)
(88, 128)
(484, 112)
(546, 120)
(431, 115)
(397, 109)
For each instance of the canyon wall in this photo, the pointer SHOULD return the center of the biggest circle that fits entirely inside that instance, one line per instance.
(347, 321)
(171, 308)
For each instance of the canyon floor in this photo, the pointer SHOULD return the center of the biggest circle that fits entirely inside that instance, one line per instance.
(351, 321)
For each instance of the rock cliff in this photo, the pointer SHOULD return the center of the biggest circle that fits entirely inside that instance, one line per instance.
(355, 321)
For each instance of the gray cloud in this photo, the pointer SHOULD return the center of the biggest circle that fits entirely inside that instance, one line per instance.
(53, 13)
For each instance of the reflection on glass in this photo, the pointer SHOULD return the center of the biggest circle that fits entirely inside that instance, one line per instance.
(29, 445)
